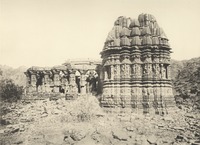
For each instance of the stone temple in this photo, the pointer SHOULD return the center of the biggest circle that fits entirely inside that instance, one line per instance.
(136, 66)
(72, 77)
(134, 73)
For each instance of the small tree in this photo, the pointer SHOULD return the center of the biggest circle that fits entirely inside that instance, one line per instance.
(1, 72)
(9, 91)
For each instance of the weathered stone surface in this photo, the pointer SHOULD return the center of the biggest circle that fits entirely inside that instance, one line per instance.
(55, 138)
(78, 135)
(130, 128)
(26, 119)
(152, 139)
(120, 135)
(131, 74)
(99, 138)
(190, 115)
(67, 128)
(44, 115)
(14, 128)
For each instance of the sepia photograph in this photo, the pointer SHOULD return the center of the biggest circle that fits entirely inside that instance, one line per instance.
(99, 72)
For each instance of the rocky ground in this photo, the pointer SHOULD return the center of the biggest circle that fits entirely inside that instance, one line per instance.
(83, 122)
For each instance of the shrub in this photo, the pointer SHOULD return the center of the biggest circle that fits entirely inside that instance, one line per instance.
(9, 92)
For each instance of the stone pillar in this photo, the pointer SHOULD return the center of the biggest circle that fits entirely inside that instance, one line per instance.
(33, 82)
(46, 83)
(83, 84)
(73, 88)
(33, 79)
(56, 80)
(28, 82)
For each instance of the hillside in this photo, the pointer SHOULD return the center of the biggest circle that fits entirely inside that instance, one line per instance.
(186, 81)
(17, 75)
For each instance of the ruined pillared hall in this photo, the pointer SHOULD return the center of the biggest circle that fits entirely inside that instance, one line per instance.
(134, 72)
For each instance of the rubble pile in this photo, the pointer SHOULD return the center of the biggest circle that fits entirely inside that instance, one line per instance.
(82, 121)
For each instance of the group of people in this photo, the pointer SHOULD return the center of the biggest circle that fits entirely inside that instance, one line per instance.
(91, 79)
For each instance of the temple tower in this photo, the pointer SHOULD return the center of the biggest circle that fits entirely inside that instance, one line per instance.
(136, 66)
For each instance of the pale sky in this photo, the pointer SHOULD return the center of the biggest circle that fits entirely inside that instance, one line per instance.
(48, 32)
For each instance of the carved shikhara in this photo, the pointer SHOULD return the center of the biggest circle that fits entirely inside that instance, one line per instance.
(136, 66)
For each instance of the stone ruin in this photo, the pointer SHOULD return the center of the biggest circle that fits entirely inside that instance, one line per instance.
(134, 74)
(73, 77)
(136, 66)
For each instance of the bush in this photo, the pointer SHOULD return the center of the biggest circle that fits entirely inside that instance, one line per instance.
(9, 92)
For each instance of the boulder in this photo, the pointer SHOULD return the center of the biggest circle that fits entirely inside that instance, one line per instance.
(130, 128)
(68, 139)
(26, 119)
(196, 142)
(100, 138)
(44, 115)
(2, 131)
(181, 138)
(152, 139)
(189, 115)
(179, 128)
(14, 128)
(5, 121)
(78, 135)
(120, 135)
(56, 111)
(168, 118)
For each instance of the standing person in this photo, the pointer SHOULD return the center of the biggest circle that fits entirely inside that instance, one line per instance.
(87, 82)
(78, 77)
(90, 83)
(95, 76)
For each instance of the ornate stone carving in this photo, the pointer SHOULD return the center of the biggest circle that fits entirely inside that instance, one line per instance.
(163, 72)
(112, 72)
(134, 70)
(149, 70)
(155, 58)
(145, 70)
(169, 72)
(147, 58)
(138, 70)
(150, 93)
(123, 71)
(127, 70)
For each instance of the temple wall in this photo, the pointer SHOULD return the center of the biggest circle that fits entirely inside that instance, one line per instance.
(137, 82)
